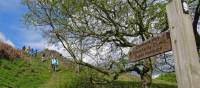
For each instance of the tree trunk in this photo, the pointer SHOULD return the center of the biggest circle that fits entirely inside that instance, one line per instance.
(146, 74)
(146, 80)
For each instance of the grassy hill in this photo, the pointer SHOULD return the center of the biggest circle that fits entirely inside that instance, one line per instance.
(19, 73)
(22, 74)
(18, 69)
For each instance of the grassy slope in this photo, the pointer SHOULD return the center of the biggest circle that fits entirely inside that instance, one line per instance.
(35, 74)
(60, 79)
(21, 74)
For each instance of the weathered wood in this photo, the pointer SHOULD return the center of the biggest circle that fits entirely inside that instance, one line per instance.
(151, 47)
(183, 46)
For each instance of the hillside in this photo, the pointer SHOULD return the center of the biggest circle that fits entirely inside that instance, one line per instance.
(18, 72)
(36, 74)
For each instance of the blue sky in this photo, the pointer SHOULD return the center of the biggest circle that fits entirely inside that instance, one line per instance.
(13, 29)
(15, 33)
(11, 24)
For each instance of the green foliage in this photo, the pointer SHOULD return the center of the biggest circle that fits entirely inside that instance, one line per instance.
(168, 77)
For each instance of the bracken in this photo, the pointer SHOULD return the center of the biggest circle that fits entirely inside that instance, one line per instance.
(9, 52)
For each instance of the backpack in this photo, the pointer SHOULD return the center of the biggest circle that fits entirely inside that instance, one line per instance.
(56, 61)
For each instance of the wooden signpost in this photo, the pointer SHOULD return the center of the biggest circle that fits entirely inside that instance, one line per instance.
(187, 62)
(183, 45)
(154, 46)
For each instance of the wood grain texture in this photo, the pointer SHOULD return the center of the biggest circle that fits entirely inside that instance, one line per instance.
(183, 46)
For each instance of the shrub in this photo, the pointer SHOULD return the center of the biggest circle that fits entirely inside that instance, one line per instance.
(8, 52)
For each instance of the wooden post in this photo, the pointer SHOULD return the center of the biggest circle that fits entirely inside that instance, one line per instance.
(183, 46)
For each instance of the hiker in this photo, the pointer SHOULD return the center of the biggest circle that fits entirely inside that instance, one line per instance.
(62, 59)
(43, 56)
(54, 63)
(31, 51)
(36, 52)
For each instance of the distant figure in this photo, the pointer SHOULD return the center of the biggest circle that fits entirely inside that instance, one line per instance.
(62, 59)
(54, 63)
(24, 48)
(31, 51)
(36, 52)
(18, 56)
(43, 56)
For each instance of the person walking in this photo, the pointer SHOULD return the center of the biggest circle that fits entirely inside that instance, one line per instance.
(56, 64)
(43, 57)
(53, 63)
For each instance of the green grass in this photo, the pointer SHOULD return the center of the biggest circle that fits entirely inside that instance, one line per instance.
(168, 77)
(35, 74)
(22, 74)
(62, 79)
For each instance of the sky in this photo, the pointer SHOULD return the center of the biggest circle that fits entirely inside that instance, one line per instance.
(15, 33)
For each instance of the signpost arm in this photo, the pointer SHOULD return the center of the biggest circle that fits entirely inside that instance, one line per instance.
(183, 46)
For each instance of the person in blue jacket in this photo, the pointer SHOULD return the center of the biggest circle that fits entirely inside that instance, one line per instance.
(54, 63)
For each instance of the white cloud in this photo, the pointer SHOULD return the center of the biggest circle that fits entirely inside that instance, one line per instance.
(59, 48)
(33, 38)
(43, 44)
(5, 40)
(36, 44)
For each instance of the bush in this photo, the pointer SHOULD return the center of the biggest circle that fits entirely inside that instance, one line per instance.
(8, 52)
